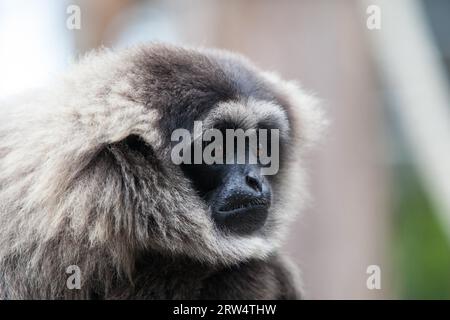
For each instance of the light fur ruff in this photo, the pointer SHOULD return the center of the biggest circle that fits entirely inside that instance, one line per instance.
(86, 179)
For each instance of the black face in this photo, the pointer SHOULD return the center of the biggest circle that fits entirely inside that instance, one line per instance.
(238, 194)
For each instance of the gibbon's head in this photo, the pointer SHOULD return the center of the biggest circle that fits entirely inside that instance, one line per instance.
(95, 161)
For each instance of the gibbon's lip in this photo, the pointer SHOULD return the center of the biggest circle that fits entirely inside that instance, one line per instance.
(243, 218)
(244, 210)
(243, 205)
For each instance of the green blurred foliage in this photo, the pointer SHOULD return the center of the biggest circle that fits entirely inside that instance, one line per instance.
(421, 249)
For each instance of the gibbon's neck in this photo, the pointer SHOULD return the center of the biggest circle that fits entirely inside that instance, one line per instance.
(162, 277)
(175, 265)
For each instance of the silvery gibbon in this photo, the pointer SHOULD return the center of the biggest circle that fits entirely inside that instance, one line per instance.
(87, 180)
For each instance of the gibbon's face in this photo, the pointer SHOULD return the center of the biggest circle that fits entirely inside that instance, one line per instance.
(226, 95)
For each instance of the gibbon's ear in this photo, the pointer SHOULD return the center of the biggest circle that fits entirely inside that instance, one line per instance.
(136, 145)
(306, 114)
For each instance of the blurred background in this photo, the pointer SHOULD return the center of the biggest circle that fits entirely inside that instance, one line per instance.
(380, 179)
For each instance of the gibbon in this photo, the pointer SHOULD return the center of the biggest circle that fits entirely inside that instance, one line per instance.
(87, 180)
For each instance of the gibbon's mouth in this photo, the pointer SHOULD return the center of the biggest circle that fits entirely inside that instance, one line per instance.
(242, 216)
(242, 205)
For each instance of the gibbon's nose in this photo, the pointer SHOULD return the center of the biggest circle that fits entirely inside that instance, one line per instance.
(254, 181)
(244, 203)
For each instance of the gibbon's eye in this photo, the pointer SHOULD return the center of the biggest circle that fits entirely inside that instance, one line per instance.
(264, 148)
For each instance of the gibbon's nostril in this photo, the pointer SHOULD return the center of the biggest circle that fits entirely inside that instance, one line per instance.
(254, 182)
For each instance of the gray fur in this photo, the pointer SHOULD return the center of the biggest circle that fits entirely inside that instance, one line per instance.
(86, 179)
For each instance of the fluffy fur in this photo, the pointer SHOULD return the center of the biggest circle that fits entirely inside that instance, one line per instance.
(86, 179)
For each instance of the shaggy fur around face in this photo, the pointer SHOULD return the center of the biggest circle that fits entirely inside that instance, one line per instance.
(86, 179)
